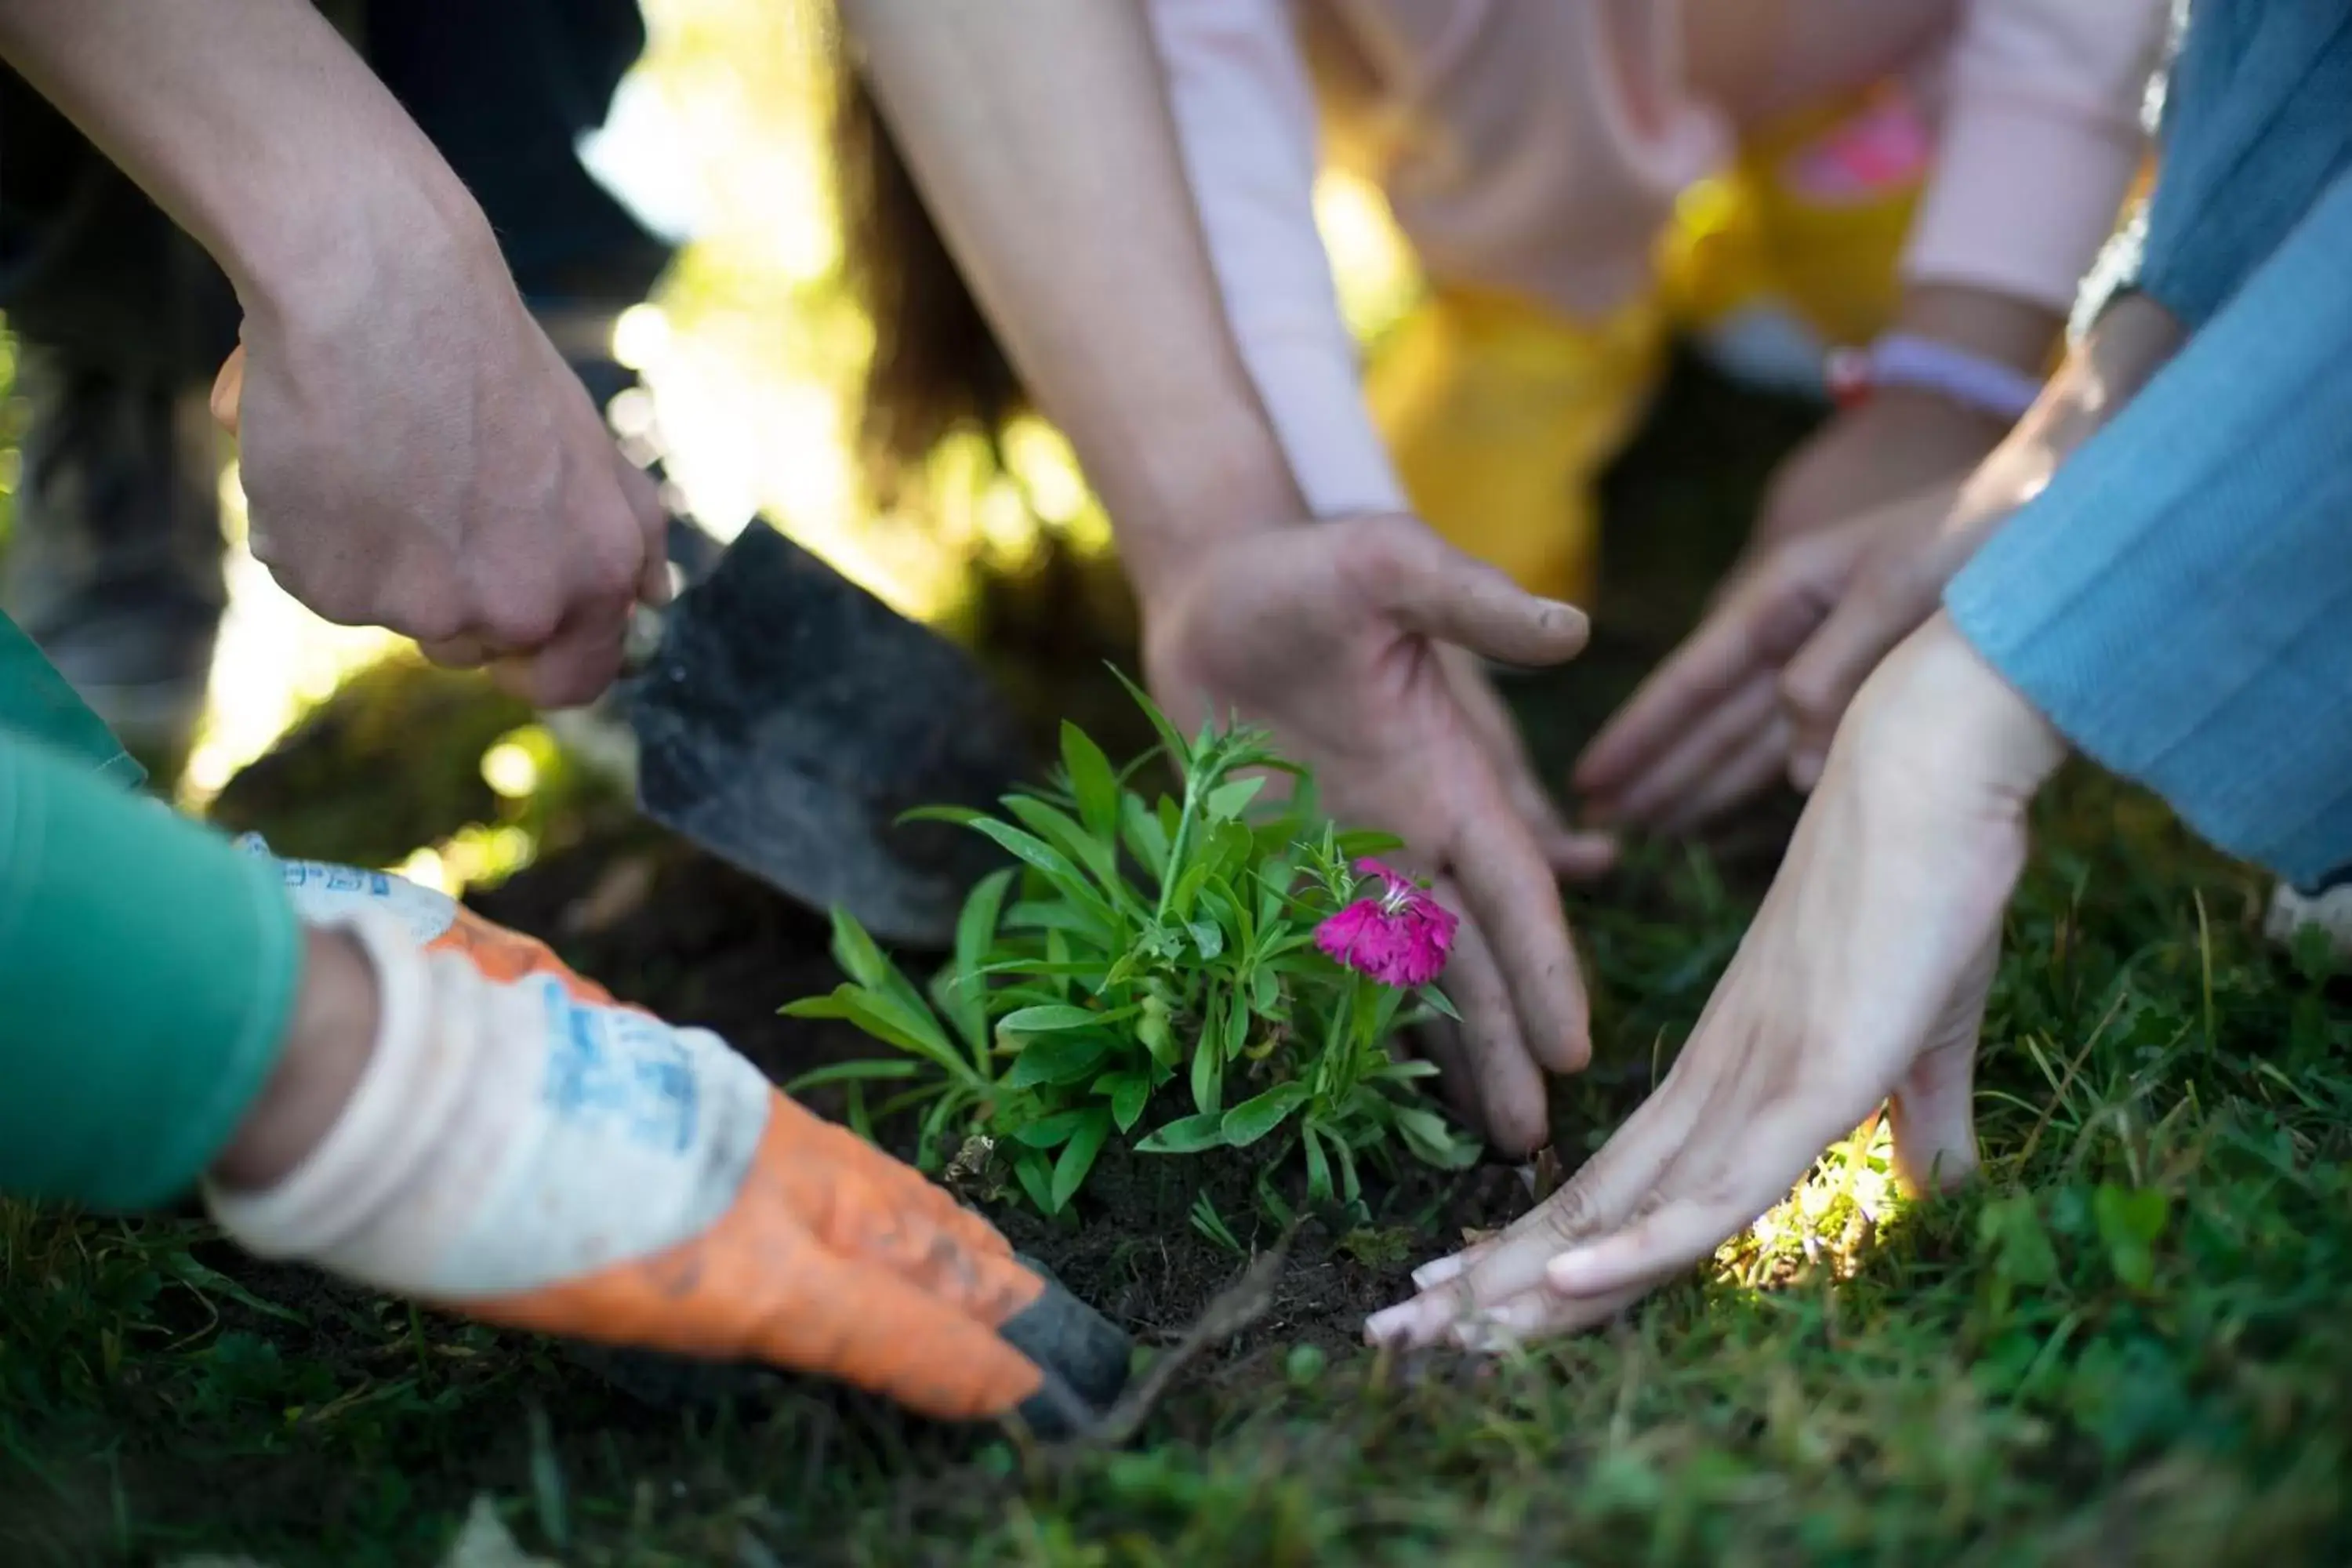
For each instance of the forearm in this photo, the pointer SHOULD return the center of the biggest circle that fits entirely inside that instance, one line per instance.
(2173, 599)
(148, 975)
(1041, 137)
(2040, 141)
(255, 127)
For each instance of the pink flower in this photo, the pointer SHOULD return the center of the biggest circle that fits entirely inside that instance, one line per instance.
(1399, 937)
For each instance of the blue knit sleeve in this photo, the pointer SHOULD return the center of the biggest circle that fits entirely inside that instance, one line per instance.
(2178, 601)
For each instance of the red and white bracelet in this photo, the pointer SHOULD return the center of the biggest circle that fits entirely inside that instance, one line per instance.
(1901, 359)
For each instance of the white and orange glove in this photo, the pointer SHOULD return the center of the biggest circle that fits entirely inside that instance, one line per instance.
(525, 1151)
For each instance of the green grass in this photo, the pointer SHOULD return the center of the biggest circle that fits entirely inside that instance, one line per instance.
(2126, 1343)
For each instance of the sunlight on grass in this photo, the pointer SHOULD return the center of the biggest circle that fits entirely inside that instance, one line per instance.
(1829, 1220)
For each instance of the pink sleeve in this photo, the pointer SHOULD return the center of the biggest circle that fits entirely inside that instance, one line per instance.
(2042, 138)
(1245, 117)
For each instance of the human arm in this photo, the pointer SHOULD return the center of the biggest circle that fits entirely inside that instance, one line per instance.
(2041, 135)
(416, 454)
(1041, 136)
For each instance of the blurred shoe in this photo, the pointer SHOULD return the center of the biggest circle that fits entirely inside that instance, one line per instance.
(2329, 908)
(1500, 415)
(114, 562)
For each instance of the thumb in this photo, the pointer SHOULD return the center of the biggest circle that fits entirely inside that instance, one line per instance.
(1431, 588)
(228, 391)
(1933, 1107)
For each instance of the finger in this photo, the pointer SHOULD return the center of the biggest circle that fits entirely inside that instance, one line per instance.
(1515, 903)
(1593, 1202)
(1513, 1108)
(1933, 1106)
(1697, 1211)
(229, 390)
(572, 668)
(1933, 1110)
(1735, 780)
(1431, 588)
(456, 653)
(1687, 766)
(644, 498)
(1535, 1314)
(1717, 660)
(1570, 854)
(1821, 681)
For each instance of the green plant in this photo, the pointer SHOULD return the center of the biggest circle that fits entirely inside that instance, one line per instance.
(1149, 967)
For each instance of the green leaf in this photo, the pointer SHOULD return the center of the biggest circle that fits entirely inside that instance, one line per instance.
(1036, 1180)
(1179, 755)
(1237, 1018)
(1435, 1001)
(1432, 1141)
(851, 1072)
(1228, 801)
(1208, 939)
(1253, 1118)
(1061, 830)
(1050, 1019)
(885, 1020)
(1127, 1100)
(1078, 1158)
(1209, 1059)
(1051, 863)
(1153, 1030)
(854, 951)
(1265, 991)
(1144, 836)
(1188, 1135)
(1048, 1131)
(1092, 782)
(967, 999)
(1058, 1058)
(887, 991)
(2130, 1221)
(1318, 1164)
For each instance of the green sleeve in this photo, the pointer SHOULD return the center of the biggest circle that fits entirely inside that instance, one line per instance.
(36, 701)
(147, 972)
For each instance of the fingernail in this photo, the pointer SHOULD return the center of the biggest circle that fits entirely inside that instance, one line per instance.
(1392, 1325)
(1438, 1272)
(1570, 1274)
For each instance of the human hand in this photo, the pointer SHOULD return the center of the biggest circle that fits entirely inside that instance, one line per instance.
(1758, 689)
(1896, 444)
(1861, 982)
(510, 1143)
(1762, 685)
(416, 455)
(1354, 641)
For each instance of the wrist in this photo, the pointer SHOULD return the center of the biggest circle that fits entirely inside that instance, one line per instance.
(327, 1050)
(1192, 492)
(308, 264)
(2002, 329)
(1936, 702)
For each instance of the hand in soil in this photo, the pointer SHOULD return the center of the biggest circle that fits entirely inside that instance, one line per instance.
(1863, 978)
(1354, 642)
